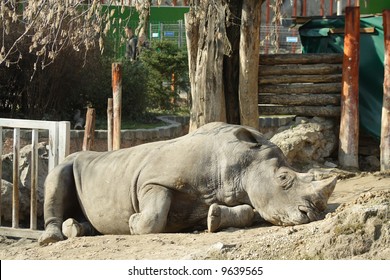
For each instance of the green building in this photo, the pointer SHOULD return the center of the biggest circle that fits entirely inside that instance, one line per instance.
(373, 6)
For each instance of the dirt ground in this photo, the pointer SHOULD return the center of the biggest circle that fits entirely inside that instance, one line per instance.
(357, 226)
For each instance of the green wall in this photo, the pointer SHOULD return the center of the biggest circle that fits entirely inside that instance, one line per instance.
(373, 6)
(130, 18)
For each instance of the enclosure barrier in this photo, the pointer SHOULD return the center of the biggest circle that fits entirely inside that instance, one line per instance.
(58, 142)
(300, 84)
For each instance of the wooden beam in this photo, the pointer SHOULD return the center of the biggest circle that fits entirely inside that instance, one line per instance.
(385, 130)
(289, 79)
(301, 99)
(306, 111)
(20, 232)
(309, 58)
(365, 30)
(349, 124)
(300, 69)
(301, 88)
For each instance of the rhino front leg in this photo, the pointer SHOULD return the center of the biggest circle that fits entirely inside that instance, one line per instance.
(155, 202)
(220, 216)
(72, 228)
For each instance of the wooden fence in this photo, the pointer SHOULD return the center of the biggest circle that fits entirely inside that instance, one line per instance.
(300, 84)
(59, 137)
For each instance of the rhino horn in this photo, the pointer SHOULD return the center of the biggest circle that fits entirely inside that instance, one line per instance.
(323, 190)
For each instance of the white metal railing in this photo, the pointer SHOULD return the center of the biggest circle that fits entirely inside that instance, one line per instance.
(58, 143)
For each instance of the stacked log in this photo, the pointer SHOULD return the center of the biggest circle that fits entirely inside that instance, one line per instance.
(300, 84)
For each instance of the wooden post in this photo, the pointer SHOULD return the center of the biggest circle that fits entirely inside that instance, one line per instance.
(331, 7)
(249, 68)
(349, 124)
(109, 124)
(89, 133)
(322, 8)
(385, 130)
(117, 104)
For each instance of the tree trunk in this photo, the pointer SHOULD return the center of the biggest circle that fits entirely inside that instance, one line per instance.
(249, 67)
(223, 46)
(231, 64)
(144, 16)
(207, 89)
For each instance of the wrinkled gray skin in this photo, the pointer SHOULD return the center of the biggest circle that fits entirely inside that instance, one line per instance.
(214, 177)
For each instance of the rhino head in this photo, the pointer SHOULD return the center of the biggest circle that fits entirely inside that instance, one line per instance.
(289, 197)
(281, 195)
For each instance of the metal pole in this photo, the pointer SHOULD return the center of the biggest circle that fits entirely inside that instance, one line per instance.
(1, 166)
(117, 104)
(349, 124)
(109, 124)
(339, 7)
(385, 130)
(15, 189)
(34, 180)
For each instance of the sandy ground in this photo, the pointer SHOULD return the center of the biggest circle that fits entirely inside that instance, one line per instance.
(357, 226)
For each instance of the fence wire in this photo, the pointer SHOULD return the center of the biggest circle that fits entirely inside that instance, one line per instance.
(273, 39)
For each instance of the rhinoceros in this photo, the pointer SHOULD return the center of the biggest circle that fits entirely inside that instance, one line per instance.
(218, 176)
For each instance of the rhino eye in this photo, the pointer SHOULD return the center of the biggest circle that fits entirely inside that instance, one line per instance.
(285, 180)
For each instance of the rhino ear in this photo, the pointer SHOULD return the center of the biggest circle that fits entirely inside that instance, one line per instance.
(249, 135)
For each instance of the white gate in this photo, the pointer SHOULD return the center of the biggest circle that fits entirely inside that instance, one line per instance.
(59, 141)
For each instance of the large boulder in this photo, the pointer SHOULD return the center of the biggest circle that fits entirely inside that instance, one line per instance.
(6, 203)
(24, 182)
(307, 140)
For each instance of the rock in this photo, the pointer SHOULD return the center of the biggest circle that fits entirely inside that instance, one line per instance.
(307, 141)
(373, 162)
(24, 183)
(6, 203)
(330, 164)
(219, 247)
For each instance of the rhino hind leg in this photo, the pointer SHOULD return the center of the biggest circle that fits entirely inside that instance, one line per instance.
(220, 217)
(51, 234)
(154, 202)
(60, 202)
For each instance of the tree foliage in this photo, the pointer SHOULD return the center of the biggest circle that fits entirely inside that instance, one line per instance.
(167, 74)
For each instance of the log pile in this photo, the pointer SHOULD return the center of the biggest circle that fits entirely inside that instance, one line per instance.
(300, 84)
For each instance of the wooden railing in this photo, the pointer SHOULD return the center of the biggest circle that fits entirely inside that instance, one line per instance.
(300, 84)
(58, 149)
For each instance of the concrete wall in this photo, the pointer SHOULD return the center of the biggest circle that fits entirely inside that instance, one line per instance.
(176, 127)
